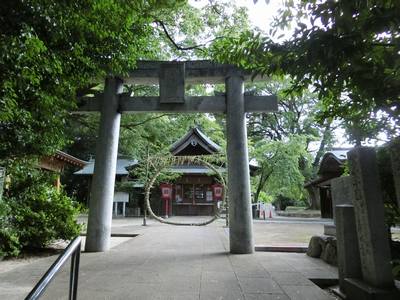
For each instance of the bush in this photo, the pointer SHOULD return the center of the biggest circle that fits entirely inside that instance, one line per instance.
(9, 242)
(281, 202)
(41, 214)
(34, 212)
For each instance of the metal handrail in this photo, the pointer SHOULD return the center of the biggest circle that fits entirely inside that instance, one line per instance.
(73, 250)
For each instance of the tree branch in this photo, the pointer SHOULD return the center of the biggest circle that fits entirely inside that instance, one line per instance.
(199, 47)
(132, 125)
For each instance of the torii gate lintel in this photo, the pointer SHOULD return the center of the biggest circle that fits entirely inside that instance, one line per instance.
(172, 77)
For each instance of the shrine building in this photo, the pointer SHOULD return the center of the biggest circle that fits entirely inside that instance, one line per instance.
(197, 191)
(192, 193)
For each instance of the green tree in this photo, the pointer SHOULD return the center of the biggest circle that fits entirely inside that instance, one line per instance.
(280, 174)
(33, 213)
(293, 124)
(347, 51)
(52, 51)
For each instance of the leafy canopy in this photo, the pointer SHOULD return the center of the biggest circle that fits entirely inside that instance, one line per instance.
(281, 141)
(52, 51)
(346, 50)
(280, 173)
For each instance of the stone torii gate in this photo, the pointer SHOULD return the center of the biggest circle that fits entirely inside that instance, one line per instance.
(171, 77)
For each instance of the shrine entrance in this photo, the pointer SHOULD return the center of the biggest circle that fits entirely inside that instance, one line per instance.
(171, 77)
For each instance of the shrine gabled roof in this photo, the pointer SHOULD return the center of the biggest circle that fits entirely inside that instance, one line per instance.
(194, 142)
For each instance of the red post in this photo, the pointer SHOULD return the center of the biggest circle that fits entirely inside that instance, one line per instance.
(166, 195)
(217, 190)
(166, 207)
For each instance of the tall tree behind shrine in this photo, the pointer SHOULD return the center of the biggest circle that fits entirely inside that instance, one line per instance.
(283, 141)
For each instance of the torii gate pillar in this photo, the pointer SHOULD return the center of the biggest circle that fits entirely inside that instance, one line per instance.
(240, 218)
(102, 192)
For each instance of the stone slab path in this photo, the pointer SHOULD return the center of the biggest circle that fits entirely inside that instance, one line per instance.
(177, 262)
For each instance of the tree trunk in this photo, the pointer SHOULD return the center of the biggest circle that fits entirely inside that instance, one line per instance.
(321, 150)
(261, 183)
(313, 198)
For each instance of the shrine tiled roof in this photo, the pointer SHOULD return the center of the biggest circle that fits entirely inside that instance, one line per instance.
(194, 142)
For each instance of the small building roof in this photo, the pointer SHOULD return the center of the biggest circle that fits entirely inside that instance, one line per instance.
(59, 160)
(332, 161)
(70, 159)
(123, 165)
(331, 166)
(194, 142)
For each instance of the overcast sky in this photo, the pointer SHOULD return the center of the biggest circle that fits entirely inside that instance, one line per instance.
(260, 13)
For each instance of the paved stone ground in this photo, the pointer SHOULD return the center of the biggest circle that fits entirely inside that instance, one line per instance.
(177, 262)
(278, 231)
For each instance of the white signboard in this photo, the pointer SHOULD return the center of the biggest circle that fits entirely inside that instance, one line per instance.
(121, 197)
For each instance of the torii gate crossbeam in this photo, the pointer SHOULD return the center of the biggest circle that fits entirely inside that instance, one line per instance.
(171, 77)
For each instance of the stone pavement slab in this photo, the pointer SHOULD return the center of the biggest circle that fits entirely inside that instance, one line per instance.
(266, 297)
(301, 292)
(177, 262)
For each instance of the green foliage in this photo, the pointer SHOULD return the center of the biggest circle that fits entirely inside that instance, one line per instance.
(264, 197)
(41, 215)
(30, 81)
(188, 32)
(52, 51)
(9, 242)
(280, 174)
(347, 51)
(36, 212)
(281, 202)
(296, 116)
(296, 112)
